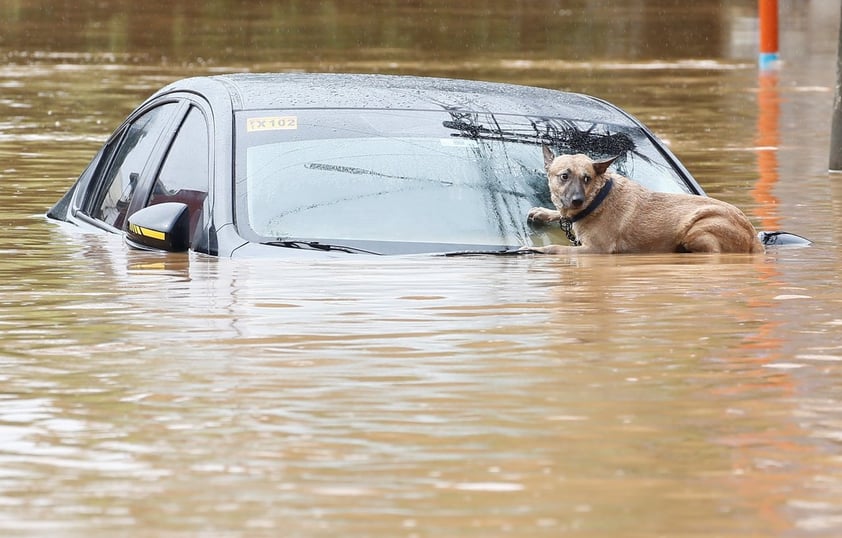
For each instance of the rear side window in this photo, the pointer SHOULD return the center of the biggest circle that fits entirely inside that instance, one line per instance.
(130, 156)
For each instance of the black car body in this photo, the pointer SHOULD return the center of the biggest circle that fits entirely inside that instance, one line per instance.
(291, 164)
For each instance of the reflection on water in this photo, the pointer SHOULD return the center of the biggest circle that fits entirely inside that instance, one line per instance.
(491, 396)
(167, 395)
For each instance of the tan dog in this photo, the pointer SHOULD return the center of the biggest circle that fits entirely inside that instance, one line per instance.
(612, 214)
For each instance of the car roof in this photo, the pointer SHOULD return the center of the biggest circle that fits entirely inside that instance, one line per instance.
(252, 91)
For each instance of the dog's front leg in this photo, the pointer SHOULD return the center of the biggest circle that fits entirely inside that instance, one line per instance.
(541, 216)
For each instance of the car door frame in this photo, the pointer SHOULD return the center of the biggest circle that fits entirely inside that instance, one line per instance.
(147, 181)
(92, 192)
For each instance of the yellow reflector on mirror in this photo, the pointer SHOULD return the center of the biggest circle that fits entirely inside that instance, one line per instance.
(147, 232)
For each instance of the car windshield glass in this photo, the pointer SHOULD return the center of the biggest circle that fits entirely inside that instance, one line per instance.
(432, 177)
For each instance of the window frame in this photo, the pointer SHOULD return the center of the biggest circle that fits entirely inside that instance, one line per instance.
(97, 188)
(143, 194)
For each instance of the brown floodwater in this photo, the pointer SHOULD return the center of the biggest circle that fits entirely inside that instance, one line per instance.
(598, 396)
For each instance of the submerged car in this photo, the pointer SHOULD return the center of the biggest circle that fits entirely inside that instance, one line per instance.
(293, 164)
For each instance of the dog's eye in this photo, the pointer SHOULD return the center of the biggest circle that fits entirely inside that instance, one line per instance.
(586, 178)
(564, 176)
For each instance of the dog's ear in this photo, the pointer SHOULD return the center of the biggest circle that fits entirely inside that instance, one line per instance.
(549, 156)
(601, 166)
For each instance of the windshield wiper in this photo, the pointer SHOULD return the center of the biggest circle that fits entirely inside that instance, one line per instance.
(316, 245)
(502, 252)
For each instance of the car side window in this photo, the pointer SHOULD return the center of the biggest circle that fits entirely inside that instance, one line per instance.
(185, 174)
(130, 157)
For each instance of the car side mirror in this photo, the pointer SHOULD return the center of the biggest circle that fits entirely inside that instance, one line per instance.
(163, 226)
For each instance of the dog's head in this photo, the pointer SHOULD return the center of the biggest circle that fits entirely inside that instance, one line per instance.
(573, 178)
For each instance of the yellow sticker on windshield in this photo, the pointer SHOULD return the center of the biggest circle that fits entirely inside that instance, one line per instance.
(271, 123)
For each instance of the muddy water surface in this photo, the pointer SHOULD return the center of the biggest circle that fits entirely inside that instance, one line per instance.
(150, 395)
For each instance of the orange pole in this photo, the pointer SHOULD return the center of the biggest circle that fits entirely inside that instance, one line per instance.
(768, 139)
(768, 14)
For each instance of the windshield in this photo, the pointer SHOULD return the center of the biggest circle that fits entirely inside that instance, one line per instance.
(440, 178)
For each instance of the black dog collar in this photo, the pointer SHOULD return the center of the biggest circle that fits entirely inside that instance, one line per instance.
(600, 197)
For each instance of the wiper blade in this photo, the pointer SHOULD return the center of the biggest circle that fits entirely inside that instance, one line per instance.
(502, 252)
(316, 245)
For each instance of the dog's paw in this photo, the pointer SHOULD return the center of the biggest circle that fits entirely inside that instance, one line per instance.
(541, 216)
